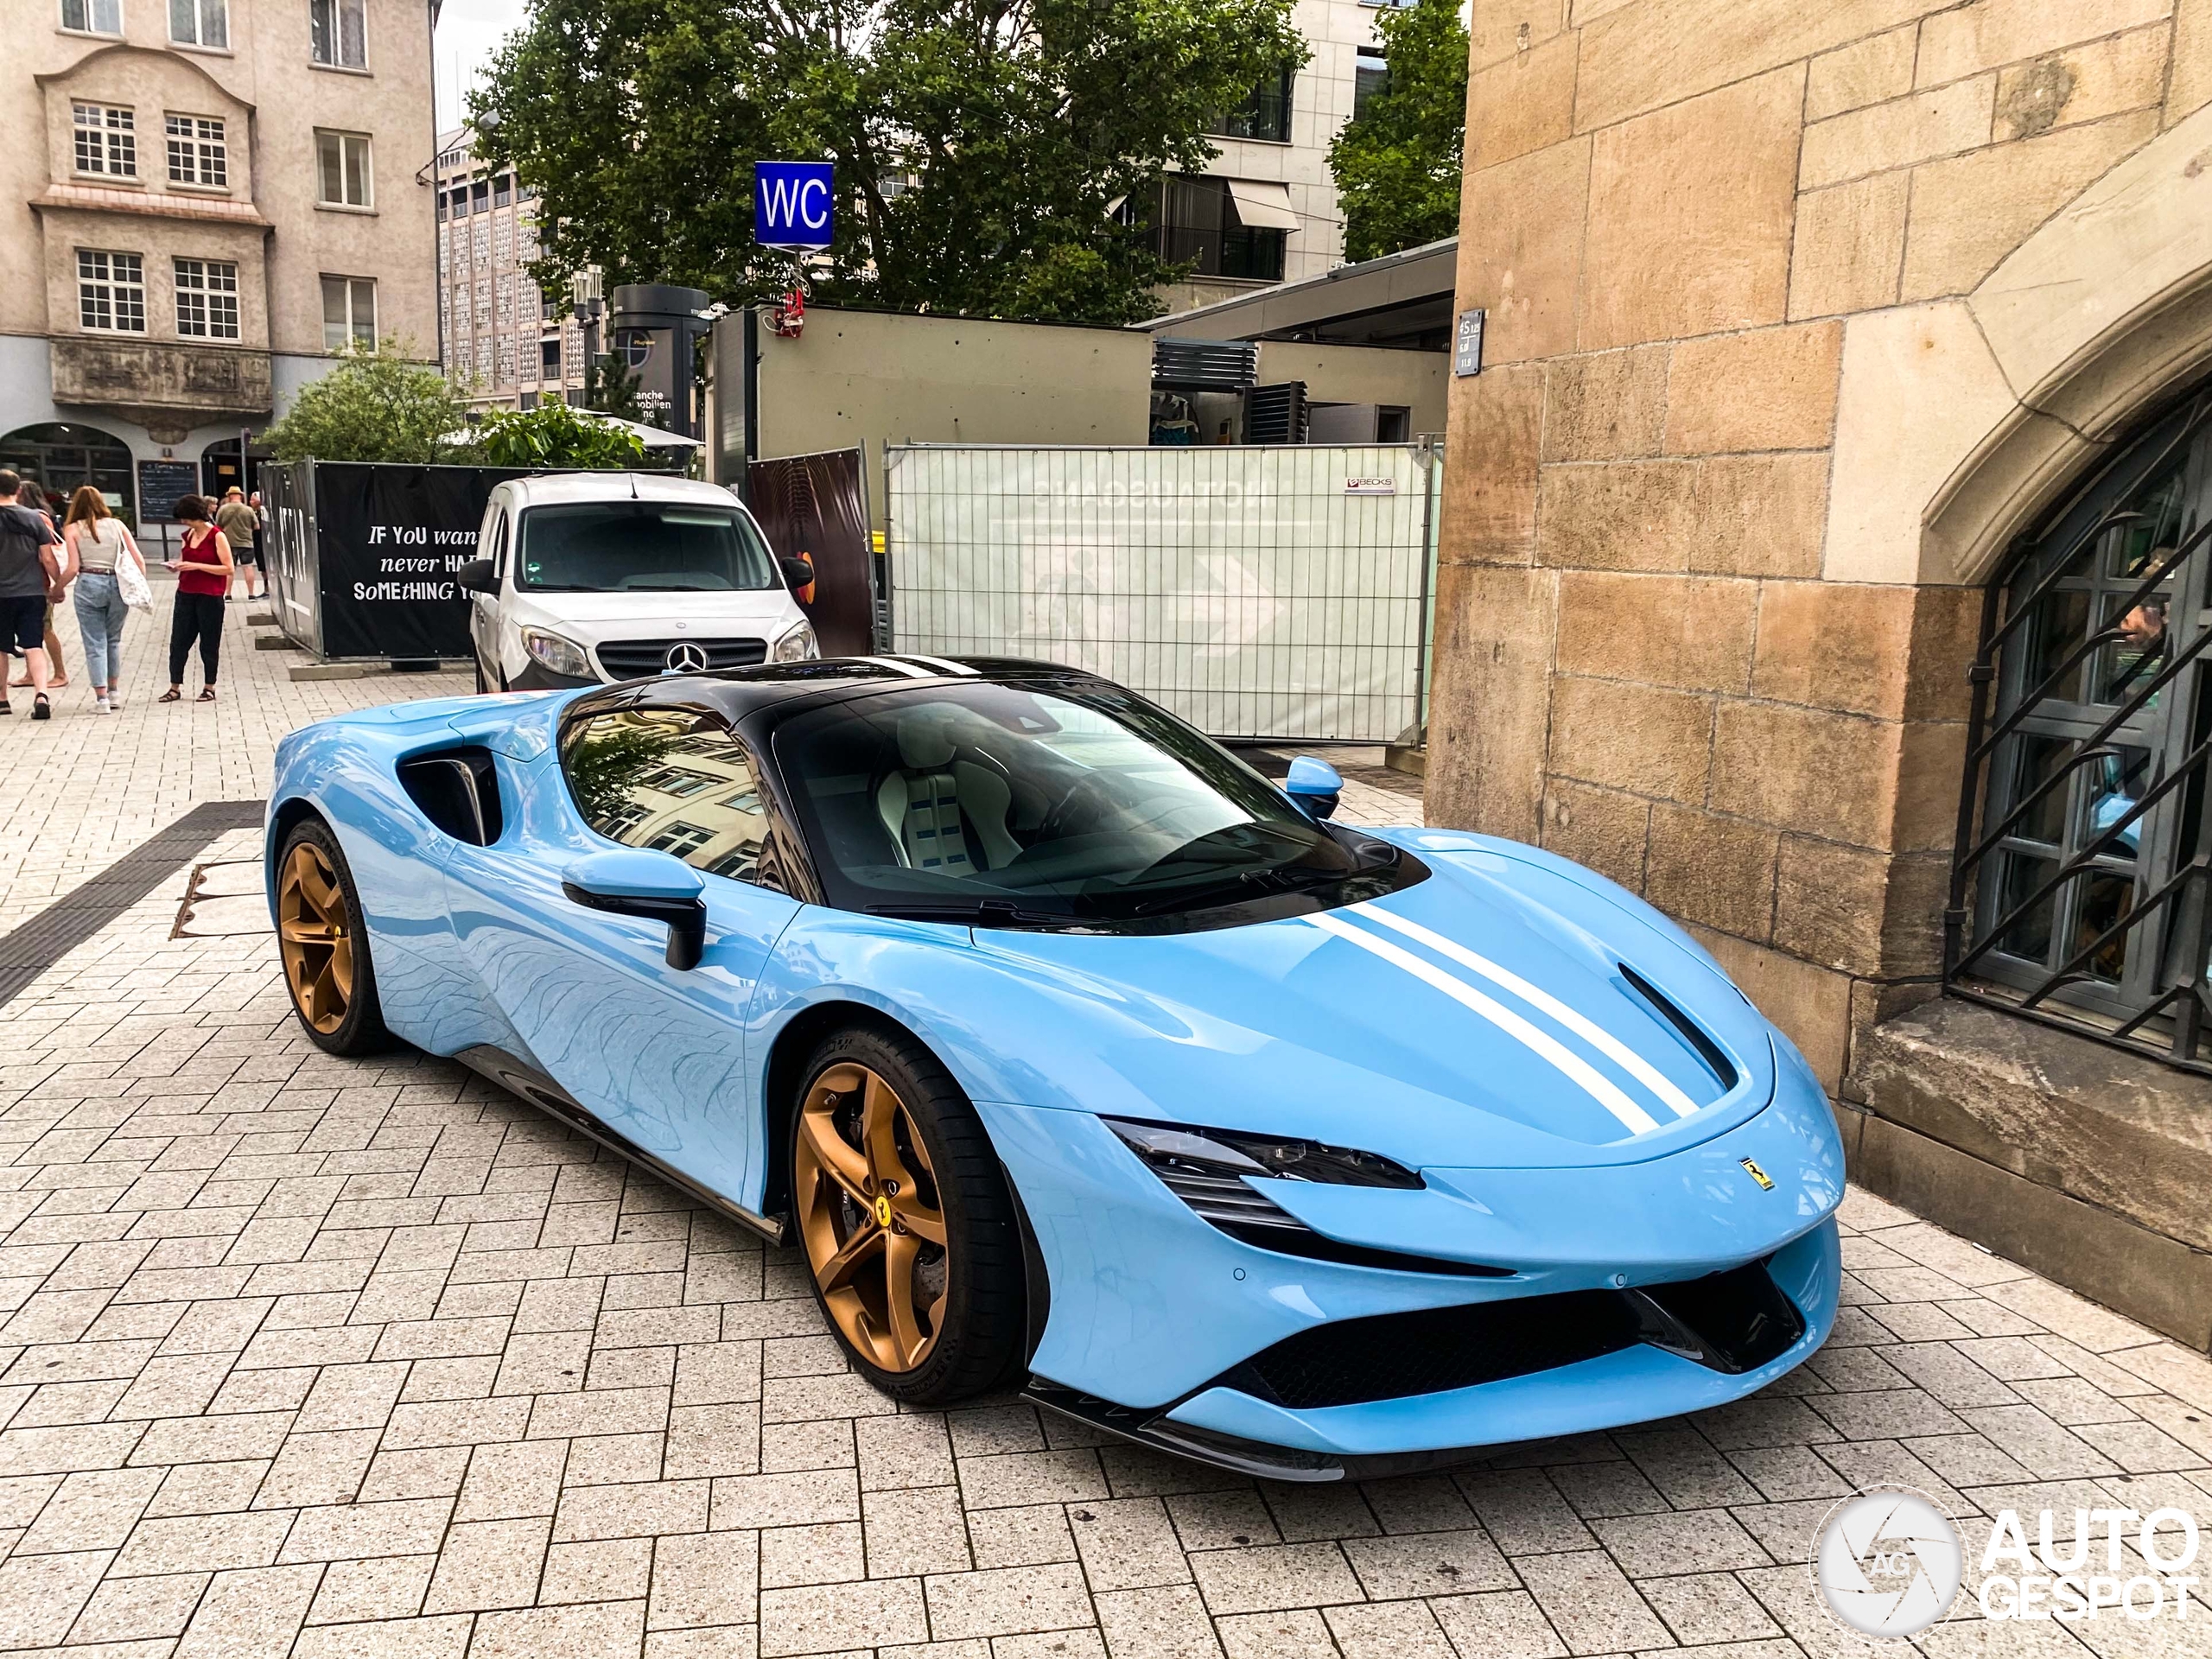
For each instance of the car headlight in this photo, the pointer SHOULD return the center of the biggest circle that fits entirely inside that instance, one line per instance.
(1208, 1170)
(796, 647)
(1233, 1152)
(556, 655)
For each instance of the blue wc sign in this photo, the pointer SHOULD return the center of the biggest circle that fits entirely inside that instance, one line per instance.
(792, 204)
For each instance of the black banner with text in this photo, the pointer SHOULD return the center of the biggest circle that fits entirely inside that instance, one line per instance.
(388, 540)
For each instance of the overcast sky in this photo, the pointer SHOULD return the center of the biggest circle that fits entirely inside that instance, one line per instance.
(468, 32)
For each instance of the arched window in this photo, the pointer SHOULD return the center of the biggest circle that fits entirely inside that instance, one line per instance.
(2080, 890)
(60, 456)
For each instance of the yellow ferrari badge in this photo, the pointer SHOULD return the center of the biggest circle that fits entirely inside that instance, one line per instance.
(883, 1205)
(1766, 1180)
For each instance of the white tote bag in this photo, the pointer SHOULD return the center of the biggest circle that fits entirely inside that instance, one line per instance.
(130, 578)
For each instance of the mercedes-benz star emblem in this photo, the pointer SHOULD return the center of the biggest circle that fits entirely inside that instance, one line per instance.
(684, 657)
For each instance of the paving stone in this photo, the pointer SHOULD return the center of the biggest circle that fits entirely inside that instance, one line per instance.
(364, 1357)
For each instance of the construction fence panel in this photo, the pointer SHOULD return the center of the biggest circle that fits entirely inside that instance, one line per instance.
(1275, 592)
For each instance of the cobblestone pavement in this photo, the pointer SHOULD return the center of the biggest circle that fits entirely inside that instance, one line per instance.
(314, 1357)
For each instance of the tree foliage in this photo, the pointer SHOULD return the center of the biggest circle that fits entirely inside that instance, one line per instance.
(553, 434)
(981, 146)
(380, 405)
(1397, 167)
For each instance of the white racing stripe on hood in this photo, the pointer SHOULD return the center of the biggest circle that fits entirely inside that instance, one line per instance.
(1588, 1030)
(1600, 1088)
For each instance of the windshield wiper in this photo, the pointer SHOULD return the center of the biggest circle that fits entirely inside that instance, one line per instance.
(987, 912)
(1250, 884)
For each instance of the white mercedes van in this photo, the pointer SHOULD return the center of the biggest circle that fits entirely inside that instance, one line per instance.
(585, 578)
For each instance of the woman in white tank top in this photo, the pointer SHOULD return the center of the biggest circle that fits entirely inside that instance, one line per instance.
(96, 539)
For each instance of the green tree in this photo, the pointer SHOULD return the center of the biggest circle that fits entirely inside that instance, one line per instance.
(1397, 165)
(553, 435)
(985, 148)
(380, 405)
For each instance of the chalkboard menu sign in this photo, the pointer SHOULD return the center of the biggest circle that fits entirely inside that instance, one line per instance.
(162, 485)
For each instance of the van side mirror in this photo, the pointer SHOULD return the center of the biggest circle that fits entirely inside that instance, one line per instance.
(652, 886)
(476, 577)
(797, 573)
(1314, 786)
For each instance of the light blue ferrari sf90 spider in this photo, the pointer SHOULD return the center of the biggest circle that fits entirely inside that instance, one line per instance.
(1077, 1054)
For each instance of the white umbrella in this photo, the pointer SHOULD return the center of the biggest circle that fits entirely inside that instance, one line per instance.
(651, 436)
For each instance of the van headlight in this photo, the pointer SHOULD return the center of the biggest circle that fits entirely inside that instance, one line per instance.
(556, 655)
(796, 647)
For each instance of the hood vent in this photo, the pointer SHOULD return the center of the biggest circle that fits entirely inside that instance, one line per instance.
(1704, 1048)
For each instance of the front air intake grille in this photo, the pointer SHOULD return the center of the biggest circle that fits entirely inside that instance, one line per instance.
(1732, 1322)
(634, 659)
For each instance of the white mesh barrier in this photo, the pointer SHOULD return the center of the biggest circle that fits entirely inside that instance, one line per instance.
(1273, 592)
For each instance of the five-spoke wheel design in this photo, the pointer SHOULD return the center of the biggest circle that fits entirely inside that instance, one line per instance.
(315, 934)
(871, 1216)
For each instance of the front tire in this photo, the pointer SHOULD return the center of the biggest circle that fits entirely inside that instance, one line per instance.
(323, 945)
(903, 1212)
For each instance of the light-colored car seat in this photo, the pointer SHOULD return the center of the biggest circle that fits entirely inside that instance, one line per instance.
(921, 804)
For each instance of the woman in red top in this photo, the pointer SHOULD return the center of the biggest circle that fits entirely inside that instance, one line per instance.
(203, 576)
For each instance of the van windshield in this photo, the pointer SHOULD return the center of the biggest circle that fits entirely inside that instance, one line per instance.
(621, 547)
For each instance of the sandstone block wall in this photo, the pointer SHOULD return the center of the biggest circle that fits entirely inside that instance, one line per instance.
(1696, 625)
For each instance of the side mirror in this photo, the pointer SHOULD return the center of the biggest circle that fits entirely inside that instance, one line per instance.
(477, 578)
(654, 887)
(1314, 786)
(797, 573)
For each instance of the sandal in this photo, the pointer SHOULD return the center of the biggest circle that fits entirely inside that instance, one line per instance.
(206, 694)
(170, 695)
(41, 708)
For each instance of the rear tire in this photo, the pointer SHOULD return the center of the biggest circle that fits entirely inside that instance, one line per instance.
(323, 945)
(949, 1324)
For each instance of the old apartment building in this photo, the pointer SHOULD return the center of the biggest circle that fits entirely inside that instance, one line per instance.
(207, 198)
(1825, 555)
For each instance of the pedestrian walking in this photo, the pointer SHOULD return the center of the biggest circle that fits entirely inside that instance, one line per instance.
(31, 497)
(203, 570)
(241, 526)
(96, 542)
(30, 581)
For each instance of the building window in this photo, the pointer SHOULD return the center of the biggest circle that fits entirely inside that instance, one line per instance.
(111, 291)
(506, 361)
(1196, 226)
(483, 247)
(107, 140)
(199, 22)
(445, 251)
(198, 153)
(503, 243)
(480, 197)
(2091, 897)
(504, 297)
(548, 359)
(342, 168)
(484, 358)
(1371, 79)
(1265, 115)
(207, 299)
(92, 17)
(483, 303)
(503, 190)
(349, 314)
(338, 33)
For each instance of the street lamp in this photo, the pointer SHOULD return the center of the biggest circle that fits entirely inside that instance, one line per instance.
(585, 297)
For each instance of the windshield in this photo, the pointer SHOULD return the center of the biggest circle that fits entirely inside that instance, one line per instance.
(1003, 805)
(617, 547)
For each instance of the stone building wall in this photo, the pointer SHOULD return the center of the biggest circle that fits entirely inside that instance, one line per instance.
(1797, 314)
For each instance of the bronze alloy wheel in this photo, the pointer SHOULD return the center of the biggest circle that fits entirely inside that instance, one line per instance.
(871, 1216)
(316, 936)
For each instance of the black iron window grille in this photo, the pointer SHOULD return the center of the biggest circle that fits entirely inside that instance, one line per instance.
(2079, 890)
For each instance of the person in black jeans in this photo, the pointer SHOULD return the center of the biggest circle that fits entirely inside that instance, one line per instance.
(203, 577)
(30, 580)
